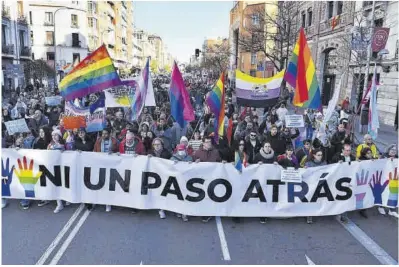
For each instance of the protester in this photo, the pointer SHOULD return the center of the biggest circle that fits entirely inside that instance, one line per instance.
(252, 146)
(182, 155)
(132, 145)
(288, 159)
(391, 152)
(303, 152)
(315, 160)
(274, 138)
(368, 142)
(266, 155)
(196, 141)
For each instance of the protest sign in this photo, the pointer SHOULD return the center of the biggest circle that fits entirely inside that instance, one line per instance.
(94, 122)
(294, 121)
(53, 100)
(203, 189)
(17, 126)
(291, 175)
(74, 122)
(122, 95)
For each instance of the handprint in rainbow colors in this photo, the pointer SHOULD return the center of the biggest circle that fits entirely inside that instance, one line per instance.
(26, 177)
(377, 188)
(6, 177)
(393, 189)
(361, 180)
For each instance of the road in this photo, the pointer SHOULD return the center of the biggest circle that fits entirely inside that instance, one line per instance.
(77, 236)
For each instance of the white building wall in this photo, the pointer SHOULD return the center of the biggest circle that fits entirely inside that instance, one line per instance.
(63, 30)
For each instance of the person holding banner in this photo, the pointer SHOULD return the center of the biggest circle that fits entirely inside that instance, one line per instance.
(368, 143)
(288, 159)
(160, 152)
(106, 144)
(266, 155)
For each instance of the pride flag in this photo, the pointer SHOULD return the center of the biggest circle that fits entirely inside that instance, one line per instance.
(180, 105)
(374, 123)
(94, 74)
(216, 102)
(141, 91)
(301, 75)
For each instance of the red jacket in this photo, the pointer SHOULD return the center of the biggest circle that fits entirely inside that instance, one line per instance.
(140, 150)
(190, 151)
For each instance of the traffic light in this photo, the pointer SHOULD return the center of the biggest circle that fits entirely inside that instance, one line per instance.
(197, 51)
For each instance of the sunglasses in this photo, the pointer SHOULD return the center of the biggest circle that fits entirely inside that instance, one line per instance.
(253, 135)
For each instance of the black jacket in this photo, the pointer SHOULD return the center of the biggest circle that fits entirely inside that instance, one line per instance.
(165, 154)
(337, 157)
(88, 146)
(278, 144)
(259, 158)
(252, 151)
(336, 141)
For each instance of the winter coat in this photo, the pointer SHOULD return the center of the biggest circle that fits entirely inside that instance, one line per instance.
(203, 155)
(312, 163)
(165, 154)
(139, 146)
(113, 146)
(252, 151)
(177, 157)
(87, 146)
(339, 156)
(277, 143)
(284, 162)
(35, 125)
(39, 143)
(265, 158)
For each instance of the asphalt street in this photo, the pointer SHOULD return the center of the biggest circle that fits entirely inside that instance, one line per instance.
(77, 236)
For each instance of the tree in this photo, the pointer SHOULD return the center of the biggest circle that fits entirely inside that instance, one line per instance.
(216, 57)
(37, 69)
(273, 32)
(154, 66)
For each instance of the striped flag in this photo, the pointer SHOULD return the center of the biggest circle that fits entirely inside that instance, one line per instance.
(374, 123)
(141, 92)
(301, 75)
(216, 102)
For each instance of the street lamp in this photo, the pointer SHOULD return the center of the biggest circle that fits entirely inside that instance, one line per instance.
(55, 39)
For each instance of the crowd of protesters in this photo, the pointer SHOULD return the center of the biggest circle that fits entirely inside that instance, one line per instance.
(256, 137)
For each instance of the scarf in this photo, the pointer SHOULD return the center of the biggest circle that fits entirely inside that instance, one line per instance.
(266, 155)
(103, 146)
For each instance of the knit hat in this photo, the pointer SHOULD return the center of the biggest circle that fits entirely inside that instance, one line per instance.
(183, 139)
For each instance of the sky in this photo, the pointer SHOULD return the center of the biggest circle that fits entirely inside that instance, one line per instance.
(183, 26)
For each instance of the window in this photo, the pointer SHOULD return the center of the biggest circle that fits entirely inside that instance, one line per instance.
(303, 19)
(22, 39)
(378, 22)
(31, 38)
(75, 56)
(330, 9)
(20, 8)
(253, 59)
(49, 38)
(340, 7)
(50, 55)
(48, 18)
(92, 7)
(75, 40)
(30, 17)
(74, 21)
(310, 17)
(367, 3)
(255, 19)
(93, 23)
(3, 35)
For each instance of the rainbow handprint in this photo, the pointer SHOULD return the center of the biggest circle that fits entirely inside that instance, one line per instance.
(26, 177)
(361, 180)
(393, 189)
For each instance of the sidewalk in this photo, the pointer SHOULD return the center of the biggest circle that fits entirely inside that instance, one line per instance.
(386, 136)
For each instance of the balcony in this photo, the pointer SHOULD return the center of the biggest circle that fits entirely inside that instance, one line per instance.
(22, 19)
(7, 49)
(343, 20)
(25, 52)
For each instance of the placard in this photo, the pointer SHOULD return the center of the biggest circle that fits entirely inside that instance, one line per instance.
(17, 126)
(53, 100)
(291, 175)
(73, 122)
(294, 121)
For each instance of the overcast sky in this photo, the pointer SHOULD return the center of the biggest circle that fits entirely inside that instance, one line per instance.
(183, 26)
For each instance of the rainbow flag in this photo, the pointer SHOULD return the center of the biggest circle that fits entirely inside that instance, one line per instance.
(301, 75)
(216, 102)
(95, 73)
(180, 105)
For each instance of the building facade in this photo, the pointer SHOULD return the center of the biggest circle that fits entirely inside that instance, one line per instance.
(16, 42)
(58, 32)
(245, 15)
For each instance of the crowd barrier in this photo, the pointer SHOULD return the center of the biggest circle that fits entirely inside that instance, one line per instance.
(197, 189)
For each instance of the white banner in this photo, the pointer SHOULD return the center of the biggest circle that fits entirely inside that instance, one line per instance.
(53, 100)
(17, 126)
(197, 189)
(294, 121)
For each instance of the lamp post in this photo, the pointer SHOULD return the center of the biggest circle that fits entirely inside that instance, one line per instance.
(55, 39)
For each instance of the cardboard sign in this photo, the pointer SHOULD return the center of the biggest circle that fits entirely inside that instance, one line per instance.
(17, 126)
(294, 121)
(75, 122)
(291, 175)
(53, 100)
